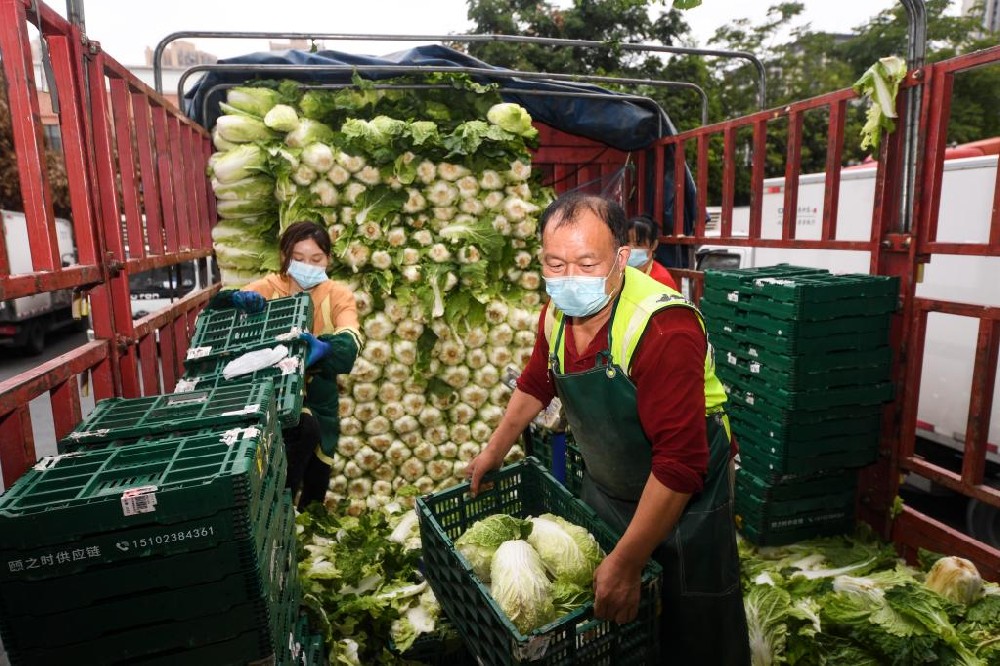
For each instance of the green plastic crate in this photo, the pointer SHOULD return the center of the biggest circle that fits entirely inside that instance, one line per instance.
(224, 406)
(752, 374)
(794, 346)
(569, 470)
(814, 485)
(823, 296)
(790, 529)
(72, 496)
(522, 490)
(140, 542)
(120, 617)
(756, 509)
(207, 561)
(798, 328)
(760, 461)
(289, 381)
(793, 534)
(129, 647)
(231, 332)
(740, 391)
(802, 444)
(741, 278)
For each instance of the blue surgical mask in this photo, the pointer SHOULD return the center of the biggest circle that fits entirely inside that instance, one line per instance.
(638, 257)
(307, 275)
(579, 295)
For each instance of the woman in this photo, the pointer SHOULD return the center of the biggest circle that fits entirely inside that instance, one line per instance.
(643, 237)
(334, 343)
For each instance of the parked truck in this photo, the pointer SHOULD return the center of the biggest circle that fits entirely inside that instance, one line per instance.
(25, 322)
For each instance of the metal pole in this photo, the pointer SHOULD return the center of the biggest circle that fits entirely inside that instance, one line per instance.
(639, 99)
(915, 54)
(469, 39)
(74, 13)
(414, 69)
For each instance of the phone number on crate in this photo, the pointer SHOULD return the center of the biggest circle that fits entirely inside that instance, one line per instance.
(172, 537)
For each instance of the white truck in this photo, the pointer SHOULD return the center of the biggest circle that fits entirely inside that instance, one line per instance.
(949, 352)
(25, 322)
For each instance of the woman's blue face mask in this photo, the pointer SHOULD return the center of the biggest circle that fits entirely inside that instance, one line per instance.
(306, 275)
(638, 257)
(579, 295)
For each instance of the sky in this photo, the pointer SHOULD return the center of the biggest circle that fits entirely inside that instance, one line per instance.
(126, 27)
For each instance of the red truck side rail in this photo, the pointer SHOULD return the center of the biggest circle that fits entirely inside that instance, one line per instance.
(893, 252)
(139, 201)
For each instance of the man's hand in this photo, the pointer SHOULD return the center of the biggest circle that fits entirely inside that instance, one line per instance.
(487, 461)
(317, 348)
(248, 301)
(616, 590)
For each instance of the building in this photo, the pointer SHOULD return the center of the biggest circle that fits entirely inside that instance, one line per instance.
(991, 12)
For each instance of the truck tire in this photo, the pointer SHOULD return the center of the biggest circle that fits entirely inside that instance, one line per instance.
(34, 343)
(983, 522)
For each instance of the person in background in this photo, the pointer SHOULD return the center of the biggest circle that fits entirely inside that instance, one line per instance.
(643, 238)
(333, 346)
(630, 360)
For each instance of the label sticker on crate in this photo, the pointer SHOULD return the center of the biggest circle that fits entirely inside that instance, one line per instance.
(189, 398)
(749, 398)
(186, 385)
(48, 462)
(139, 500)
(289, 364)
(293, 334)
(230, 437)
(733, 296)
(100, 432)
(249, 409)
(198, 352)
(755, 367)
(731, 358)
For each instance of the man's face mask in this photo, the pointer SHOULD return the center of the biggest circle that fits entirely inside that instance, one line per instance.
(579, 295)
(307, 275)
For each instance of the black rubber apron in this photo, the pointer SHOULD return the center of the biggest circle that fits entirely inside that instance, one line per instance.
(703, 621)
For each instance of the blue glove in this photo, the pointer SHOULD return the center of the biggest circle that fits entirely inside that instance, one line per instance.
(317, 348)
(248, 301)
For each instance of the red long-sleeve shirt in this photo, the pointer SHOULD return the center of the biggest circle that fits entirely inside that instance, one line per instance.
(658, 272)
(668, 372)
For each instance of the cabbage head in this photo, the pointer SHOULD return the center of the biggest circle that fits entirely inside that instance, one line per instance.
(282, 118)
(521, 587)
(956, 579)
(238, 163)
(512, 118)
(255, 101)
(482, 539)
(242, 129)
(569, 552)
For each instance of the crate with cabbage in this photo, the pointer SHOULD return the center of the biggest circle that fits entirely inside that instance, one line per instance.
(514, 567)
(431, 203)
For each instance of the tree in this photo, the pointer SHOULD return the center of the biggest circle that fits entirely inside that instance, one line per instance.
(10, 183)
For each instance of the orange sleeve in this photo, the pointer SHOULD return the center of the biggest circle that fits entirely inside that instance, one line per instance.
(334, 309)
(261, 286)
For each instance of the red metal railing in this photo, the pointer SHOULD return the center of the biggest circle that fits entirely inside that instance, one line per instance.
(893, 252)
(139, 201)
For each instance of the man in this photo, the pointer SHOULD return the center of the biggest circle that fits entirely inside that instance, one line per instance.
(643, 238)
(629, 359)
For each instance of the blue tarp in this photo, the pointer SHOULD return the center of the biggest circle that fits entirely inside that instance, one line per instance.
(622, 124)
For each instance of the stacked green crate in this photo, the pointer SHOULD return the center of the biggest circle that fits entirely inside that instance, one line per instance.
(158, 550)
(804, 357)
(225, 334)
